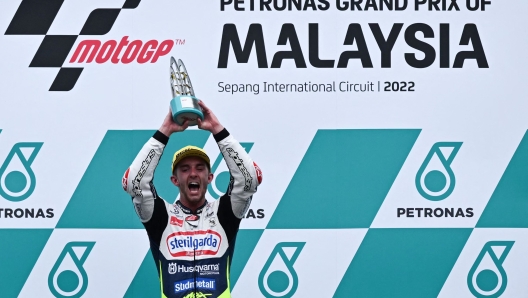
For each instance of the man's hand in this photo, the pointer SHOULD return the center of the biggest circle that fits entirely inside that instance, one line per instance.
(210, 122)
(169, 126)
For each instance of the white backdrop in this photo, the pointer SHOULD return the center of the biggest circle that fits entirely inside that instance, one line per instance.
(484, 108)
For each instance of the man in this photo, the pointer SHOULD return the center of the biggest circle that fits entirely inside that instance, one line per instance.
(192, 240)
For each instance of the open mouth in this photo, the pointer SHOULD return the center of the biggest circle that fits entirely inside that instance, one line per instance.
(194, 187)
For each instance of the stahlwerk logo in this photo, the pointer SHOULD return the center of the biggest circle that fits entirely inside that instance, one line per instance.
(487, 277)
(68, 278)
(435, 179)
(35, 17)
(278, 277)
(195, 284)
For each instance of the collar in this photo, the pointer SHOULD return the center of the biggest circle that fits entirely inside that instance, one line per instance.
(189, 211)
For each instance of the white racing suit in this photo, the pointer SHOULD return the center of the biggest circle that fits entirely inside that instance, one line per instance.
(192, 251)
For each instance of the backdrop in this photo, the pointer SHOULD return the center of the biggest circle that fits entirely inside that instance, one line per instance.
(391, 135)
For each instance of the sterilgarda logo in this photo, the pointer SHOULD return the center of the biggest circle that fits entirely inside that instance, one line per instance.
(221, 179)
(278, 278)
(17, 179)
(54, 49)
(487, 277)
(194, 243)
(68, 278)
(435, 179)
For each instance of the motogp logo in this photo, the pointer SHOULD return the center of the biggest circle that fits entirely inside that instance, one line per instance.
(35, 17)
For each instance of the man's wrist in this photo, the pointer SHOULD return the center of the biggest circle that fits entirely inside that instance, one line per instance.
(161, 137)
(217, 128)
(166, 131)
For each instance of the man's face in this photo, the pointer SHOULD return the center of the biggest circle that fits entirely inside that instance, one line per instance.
(192, 177)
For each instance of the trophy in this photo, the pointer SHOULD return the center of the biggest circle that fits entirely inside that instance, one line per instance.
(184, 105)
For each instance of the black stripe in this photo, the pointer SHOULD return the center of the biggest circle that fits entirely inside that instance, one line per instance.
(34, 17)
(66, 79)
(100, 21)
(53, 51)
(221, 135)
(131, 4)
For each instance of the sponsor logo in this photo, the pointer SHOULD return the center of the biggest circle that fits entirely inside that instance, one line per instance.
(436, 212)
(26, 213)
(251, 213)
(194, 243)
(279, 267)
(124, 51)
(68, 278)
(124, 181)
(172, 268)
(192, 217)
(487, 277)
(190, 284)
(222, 179)
(192, 220)
(207, 269)
(17, 179)
(144, 166)
(55, 49)
(176, 211)
(435, 179)
(212, 222)
(240, 164)
(176, 221)
(259, 173)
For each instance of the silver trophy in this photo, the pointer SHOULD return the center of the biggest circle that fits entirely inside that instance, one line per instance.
(184, 104)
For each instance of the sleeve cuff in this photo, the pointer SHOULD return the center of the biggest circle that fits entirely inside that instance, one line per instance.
(158, 135)
(221, 135)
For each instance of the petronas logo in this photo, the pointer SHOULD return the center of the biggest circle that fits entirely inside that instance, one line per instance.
(17, 179)
(221, 174)
(68, 278)
(278, 278)
(435, 179)
(487, 277)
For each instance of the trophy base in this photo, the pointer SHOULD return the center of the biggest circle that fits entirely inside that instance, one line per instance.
(186, 107)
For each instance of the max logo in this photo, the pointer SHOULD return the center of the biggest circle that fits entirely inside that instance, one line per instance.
(35, 17)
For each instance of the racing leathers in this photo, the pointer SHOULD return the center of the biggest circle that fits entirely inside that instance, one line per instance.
(192, 251)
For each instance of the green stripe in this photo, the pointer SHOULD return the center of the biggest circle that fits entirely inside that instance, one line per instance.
(19, 251)
(99, 201)
(246, 242)
(346, 170)
(508, 206)
(146, 282)
(406, 263)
